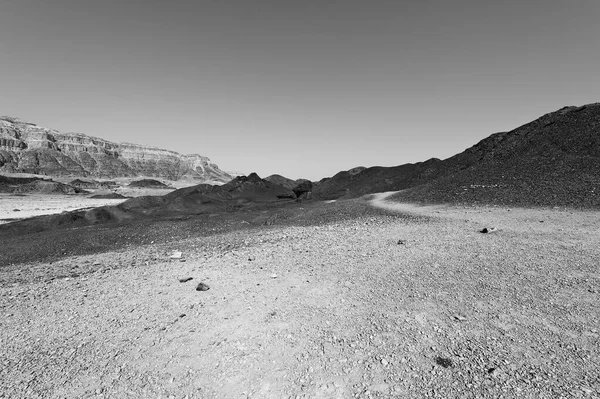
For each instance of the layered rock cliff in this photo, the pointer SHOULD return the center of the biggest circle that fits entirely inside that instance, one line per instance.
(28, 148)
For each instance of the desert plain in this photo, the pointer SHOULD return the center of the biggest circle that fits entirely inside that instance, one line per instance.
(361, 298)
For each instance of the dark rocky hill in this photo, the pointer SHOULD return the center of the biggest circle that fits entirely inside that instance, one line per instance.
(554, 160)
(361, 181)
(241, 193)
(28, 148)
(284, 181)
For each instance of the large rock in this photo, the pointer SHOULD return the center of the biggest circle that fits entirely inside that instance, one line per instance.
(303, 189)
(29, 148)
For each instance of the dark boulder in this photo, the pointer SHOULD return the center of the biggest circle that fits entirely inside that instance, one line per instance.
(303, 189)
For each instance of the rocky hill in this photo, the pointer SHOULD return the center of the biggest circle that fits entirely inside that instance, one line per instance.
(554, 160)
(241, 193)
(359, 181)
(28, 148)
(284, 181)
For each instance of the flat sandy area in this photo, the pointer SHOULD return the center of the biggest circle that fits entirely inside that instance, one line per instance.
(417, 304)
(14, 206)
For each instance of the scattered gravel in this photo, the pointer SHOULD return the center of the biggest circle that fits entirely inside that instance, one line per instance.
(351, 313)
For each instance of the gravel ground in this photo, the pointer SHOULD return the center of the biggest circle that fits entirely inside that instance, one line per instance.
(359, 304)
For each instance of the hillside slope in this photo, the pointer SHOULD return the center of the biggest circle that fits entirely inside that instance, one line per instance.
(28, 148)
(554, 160)
(360, 181)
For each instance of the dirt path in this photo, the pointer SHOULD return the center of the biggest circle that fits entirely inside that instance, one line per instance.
(334, 311)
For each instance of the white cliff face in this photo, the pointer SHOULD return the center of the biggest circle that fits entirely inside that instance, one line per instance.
(29, 148)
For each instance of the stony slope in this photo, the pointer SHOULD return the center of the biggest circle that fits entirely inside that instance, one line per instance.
(28, 148)
(359, 181)
(554, 160)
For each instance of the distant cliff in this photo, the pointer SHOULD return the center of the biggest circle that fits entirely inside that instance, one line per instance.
(28, 148)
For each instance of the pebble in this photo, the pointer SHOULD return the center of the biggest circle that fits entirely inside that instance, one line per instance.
(488, 230)
(202, 287)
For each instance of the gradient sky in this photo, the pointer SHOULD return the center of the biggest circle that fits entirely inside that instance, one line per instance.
(303, 88)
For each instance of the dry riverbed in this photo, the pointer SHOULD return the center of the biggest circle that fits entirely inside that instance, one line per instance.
(376, 306)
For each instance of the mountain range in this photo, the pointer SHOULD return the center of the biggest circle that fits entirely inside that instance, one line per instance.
(29, 148)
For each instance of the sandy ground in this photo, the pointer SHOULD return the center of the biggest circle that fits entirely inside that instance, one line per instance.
(378, 306)
(14, 207)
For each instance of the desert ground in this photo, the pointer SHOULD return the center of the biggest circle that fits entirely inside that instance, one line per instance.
(21, 206)
(362, 298)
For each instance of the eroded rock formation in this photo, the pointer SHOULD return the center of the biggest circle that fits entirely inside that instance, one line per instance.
(28, 148)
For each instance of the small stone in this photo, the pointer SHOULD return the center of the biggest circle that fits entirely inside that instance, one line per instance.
(444, 362)
(273, 276)
(488, 230)
(176, 255)
(185, 279)
(384, 361)
(202, 287)
(401, 242)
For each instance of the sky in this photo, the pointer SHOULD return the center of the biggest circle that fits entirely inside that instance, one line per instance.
(301, 88)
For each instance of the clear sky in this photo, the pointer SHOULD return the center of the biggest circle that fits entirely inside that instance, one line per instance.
(303, 88)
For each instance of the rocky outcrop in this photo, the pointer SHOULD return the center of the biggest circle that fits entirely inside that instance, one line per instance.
(303, 189)
(28, 148)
